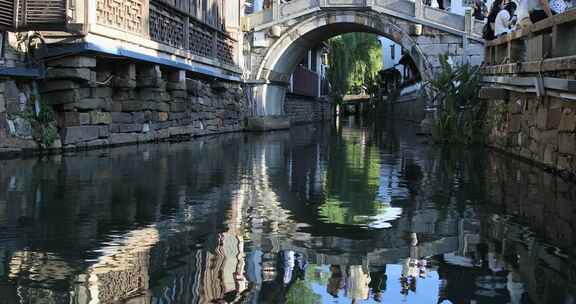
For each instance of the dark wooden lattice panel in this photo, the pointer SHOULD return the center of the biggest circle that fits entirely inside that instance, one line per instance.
(167, 26)
(38, 14)
(201, 40)
(7, 14)
(225, 49)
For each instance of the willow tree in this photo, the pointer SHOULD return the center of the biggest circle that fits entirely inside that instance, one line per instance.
(354, 62)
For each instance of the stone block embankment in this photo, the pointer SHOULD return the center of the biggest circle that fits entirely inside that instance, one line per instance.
(302, 109)
(99, 102)
(539, 129)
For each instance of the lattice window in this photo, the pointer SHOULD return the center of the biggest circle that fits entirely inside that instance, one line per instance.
(167, 26)
(126, 15)
(201, 40)
(226, 49)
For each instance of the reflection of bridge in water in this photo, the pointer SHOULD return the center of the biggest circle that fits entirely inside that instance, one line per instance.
(196, 240)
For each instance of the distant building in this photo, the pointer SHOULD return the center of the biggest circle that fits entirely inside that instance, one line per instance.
(309, 79)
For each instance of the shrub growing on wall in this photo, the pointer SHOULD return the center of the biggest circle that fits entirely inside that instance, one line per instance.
(461, 115)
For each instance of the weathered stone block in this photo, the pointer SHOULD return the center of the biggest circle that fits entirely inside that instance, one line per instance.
(83, 74)
(139, 117)
(550, 155)
(2, 103)
(68, 119)
(177, 116)
(128, 128)
(61, 97)
(87, 104)
(159, 106)
(179, 95)
(73, 62)
(565, 161)
(124, 94)
(567, 143)
(153, 94)
(73, 135)
(177, 107)
(176, 86)
(100, 118)
(567, 121)
(132, 106)
(102, 92)
(116, 107)
(84, 118)
(553, 120)
(125, 76)
(11, 91)
(493, 93)
(121, 117)
(58, 85)
(162, 116)
(515, 123)
(542, 118)
(97, 143)
(123, 138)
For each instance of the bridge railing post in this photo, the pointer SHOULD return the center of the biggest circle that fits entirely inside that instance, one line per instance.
(419, 9)
(468, 21)
(276, 9)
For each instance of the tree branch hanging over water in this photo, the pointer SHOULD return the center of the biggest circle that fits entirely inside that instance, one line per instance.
(354, 62)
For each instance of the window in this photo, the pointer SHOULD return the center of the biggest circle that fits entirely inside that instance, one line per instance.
(393, 52)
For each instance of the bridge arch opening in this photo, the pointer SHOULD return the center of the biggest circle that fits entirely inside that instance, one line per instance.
(284, 55)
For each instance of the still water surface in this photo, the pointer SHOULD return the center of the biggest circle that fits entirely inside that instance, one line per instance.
(353, 212)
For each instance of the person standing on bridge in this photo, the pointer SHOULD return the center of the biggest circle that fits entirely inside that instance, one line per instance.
(489, 28)
(505, 19)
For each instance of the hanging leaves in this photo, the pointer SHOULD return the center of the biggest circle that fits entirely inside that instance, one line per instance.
(354, 62)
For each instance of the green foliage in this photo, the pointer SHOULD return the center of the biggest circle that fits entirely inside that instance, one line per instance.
(354, 62)
(44, 123)
(461, 116)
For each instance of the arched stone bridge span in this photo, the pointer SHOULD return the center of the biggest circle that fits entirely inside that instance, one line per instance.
(279, 37)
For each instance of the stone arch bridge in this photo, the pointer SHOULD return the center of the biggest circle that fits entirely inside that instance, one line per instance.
(279, 37)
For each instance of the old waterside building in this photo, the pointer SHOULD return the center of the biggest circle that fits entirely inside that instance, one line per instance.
(117, 71)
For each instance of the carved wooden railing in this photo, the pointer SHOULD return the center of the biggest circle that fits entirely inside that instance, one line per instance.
(549, 38)
(170, 22)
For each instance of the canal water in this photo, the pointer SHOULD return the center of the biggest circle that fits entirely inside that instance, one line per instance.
(349, 212)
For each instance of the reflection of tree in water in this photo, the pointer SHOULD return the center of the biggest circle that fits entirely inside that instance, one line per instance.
(353, 179)
(458, 179)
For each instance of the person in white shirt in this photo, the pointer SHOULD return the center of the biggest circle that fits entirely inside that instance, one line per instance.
(504, 19)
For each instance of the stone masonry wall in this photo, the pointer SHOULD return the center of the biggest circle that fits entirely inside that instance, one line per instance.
(541, 130)
(408, 107)
(301, 109)
(101, 102)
